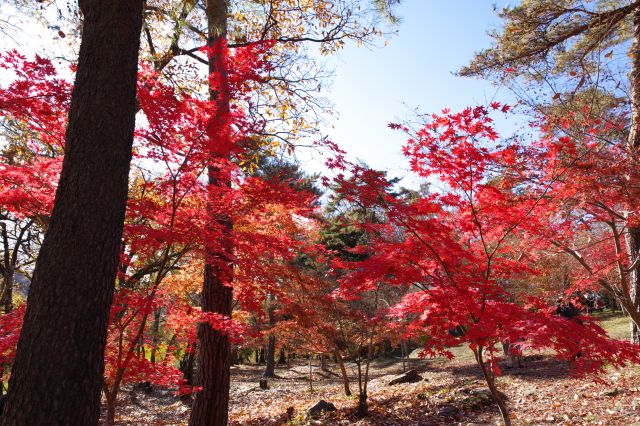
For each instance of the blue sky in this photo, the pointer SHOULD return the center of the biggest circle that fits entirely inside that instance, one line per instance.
(373, 87)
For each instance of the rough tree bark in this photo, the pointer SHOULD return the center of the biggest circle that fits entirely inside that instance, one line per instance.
(211, 405)
(57, 374)
(633, 235)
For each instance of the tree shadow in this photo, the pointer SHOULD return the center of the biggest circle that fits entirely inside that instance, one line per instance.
(424, 411)
(535, 367)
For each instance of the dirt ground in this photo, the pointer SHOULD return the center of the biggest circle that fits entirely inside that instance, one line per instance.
(450, 393)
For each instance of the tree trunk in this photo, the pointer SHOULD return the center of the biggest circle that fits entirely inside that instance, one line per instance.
(110, 415)
(271, 357)
(343, 370)
(155, 335)
(363, 406)
(211, 405)
(633, 235)
(186, 366)
(491, 384)
(7, 291)
(310, 374)
(271, 344)
(388, 348)
(323, 363)
(57, 374)
(404, 353)
(633, 249)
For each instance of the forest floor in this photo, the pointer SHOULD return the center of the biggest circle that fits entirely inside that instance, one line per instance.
(451, 393)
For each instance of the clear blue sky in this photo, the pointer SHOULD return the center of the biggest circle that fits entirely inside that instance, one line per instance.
(374, 87)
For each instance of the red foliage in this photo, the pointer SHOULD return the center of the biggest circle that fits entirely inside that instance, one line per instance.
(464, 246)
(167, 210)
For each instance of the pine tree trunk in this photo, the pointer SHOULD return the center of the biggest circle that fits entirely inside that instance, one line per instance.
(633, 249)
(211, 405)
(57, 374)
(633, 235)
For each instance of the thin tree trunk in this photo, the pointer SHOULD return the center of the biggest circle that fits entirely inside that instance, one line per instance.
(186, 366)
(343, 370)
(211, 405)
(363, 408)
(271, 344)
(404, 354)
(57, 374)
(310, 374)
(490, 380)
(7, 291)
(155, 335)
(323, 362)
(363, 404)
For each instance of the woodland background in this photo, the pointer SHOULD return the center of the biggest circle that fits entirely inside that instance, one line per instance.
(166, 257)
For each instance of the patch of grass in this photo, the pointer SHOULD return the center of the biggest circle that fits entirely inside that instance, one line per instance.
(463, 353)
(460, 353)
(617, 327)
